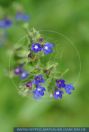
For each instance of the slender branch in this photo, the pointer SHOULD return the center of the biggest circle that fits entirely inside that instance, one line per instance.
(64, 72)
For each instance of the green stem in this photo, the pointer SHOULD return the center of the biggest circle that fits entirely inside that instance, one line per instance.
(64, 72)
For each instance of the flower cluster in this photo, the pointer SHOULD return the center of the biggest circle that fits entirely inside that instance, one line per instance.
(20, 16)
(60, 85)
(34, 75)
(22, 73)
(6, 22)
(39, 90)
(47, 48)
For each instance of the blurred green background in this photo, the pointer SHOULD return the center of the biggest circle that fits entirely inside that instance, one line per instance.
(71, 18)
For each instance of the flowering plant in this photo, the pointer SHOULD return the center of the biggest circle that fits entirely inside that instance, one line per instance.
(36, 71)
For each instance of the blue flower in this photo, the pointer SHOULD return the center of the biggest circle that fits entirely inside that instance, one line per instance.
(69, 88)
(60, 83)
(38, 92)
(38, 79)
(8, 23)
(58, 94)
(24, 75)
(36, 47)
(5, 23)
(18, 71)
(22, 17)
(48, 48)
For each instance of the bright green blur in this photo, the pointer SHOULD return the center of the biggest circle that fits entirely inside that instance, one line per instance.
(70, 18)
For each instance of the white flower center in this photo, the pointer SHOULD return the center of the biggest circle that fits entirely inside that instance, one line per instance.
(23, 74)
(38, 89)
(36, 47)
(46, 47)
(57, 92)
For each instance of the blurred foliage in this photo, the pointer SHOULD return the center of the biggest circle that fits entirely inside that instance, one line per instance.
(6, 3)
(69, 17)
